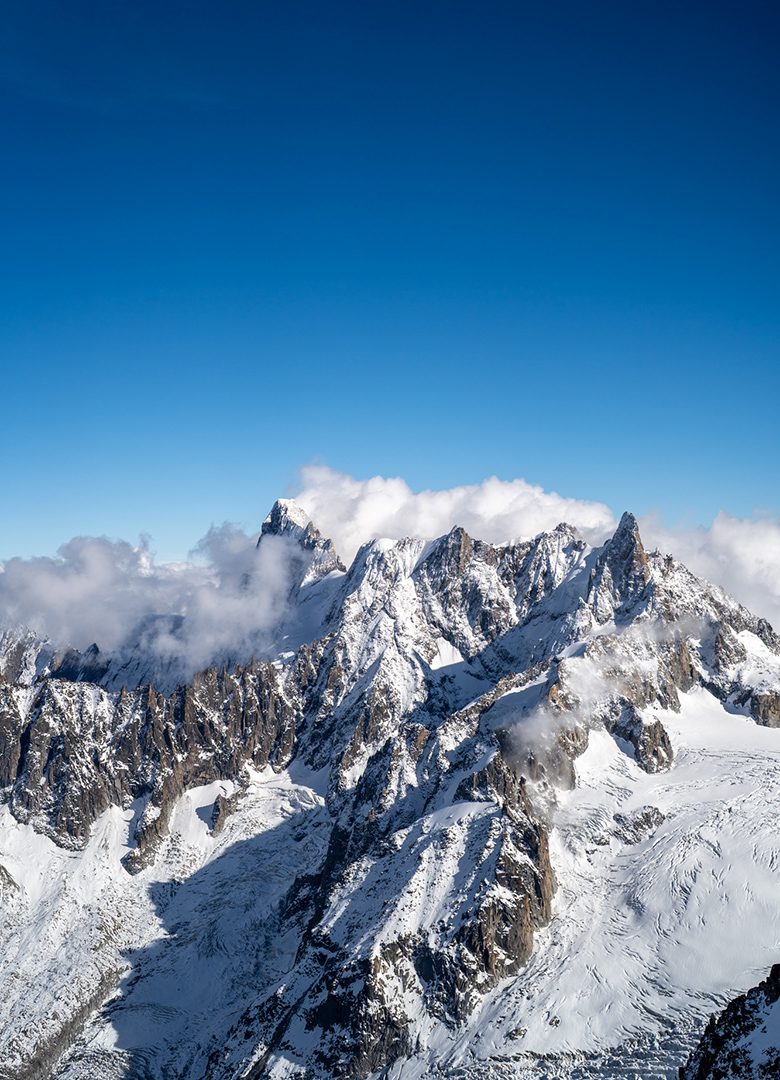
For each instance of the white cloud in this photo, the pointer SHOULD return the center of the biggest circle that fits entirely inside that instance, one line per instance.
(109, 591)
(94, 589)
(352, 511)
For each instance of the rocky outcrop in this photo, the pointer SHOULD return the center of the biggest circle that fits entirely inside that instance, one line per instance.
(743, 1042)
(765, 707)
(634, 827)
(79, 749)
(649, 740)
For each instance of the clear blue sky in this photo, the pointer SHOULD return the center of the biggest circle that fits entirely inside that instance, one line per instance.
(440, 240)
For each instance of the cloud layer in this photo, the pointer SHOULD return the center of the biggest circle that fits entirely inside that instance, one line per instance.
(232, 594)
(352, 511)
(113, 593)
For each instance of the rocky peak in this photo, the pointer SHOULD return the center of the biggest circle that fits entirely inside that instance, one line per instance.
(621, 573)
(289, 520)
(451, 553)
(743, 1043)
(626, 542)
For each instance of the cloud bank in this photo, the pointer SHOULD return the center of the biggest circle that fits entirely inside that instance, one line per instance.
(352, 511)
(114, 594)
(232, 594)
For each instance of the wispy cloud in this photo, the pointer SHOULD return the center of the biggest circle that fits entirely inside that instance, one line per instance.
(352, 511)
(112, 592)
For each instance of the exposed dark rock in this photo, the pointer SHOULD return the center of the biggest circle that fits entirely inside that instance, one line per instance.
(632, 828)
(743, 1043)
(8, 886)
(727, 648)
(224, 805)
(621, 575)
(82, 750)
(765, 708)
(650, 741)
(75, 666)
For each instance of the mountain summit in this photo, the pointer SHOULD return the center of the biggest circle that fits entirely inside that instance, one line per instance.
(287, 518)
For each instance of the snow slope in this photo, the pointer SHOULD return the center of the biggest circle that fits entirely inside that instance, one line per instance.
(181, 941)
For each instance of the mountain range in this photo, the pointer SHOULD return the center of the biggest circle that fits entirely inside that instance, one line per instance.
(461, 810)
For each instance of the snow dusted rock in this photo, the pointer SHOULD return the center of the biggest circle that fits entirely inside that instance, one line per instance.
(23, 655)
(622, 574)
(420, 718)
(75, 750)
(650, 742)
(743, 1043)
(636, 826)
(318, 555)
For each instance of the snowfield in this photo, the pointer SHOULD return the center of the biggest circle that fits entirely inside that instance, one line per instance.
(183, 939)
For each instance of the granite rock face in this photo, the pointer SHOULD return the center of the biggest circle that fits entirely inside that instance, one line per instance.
(743, 1042)
(79, 749)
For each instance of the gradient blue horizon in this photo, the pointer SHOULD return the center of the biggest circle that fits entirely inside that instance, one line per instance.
(440, 241)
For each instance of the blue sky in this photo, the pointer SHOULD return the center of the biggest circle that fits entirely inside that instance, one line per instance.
(440, 241)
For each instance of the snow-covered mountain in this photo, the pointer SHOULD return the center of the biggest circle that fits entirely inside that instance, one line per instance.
(468, 811)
